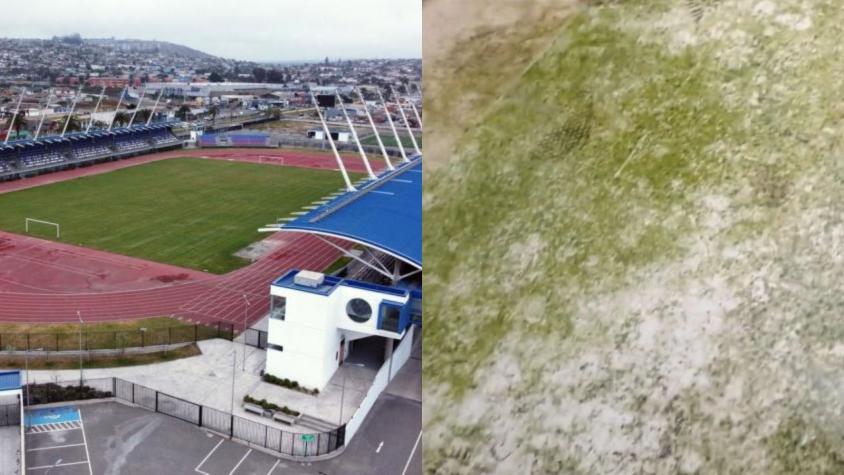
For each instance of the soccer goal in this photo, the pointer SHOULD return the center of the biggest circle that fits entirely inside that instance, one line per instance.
(46, 223)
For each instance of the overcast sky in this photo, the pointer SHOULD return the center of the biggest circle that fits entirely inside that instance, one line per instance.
(257, 30)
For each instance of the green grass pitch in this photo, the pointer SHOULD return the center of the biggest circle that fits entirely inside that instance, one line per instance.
(188, 212)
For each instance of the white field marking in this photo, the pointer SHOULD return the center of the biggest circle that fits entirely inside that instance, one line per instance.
(631, 155)
(206, 458)
(380, 446)
(42, 467)
(85, 442)
(241, 461)
(401, 180)
(54, 447)
(273, 467)
(404, 472)
(383, 192)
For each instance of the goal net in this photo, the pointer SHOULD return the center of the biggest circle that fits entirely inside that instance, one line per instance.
(31, 222)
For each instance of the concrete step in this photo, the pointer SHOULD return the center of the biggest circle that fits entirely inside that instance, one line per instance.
(316, 424)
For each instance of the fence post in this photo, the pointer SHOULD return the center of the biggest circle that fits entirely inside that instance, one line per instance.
(195, 332)
(142, 338)
(114, 386)
(133, 393)
(200, 415)
(156, 401)
(231, 428)
(266, 435)
(169, 335)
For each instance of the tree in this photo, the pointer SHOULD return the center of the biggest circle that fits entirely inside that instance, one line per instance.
(183, 112)
(19, 123)
(213, 111)
(73, 123)
(260, 74)
(215, 77)
(121, 118)
(275, 76)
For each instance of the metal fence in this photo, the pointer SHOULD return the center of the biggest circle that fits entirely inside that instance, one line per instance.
(256, 338)
(114, 340)
(10, 414)
(235, 427)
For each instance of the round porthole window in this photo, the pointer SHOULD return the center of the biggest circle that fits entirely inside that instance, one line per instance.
(359, 310)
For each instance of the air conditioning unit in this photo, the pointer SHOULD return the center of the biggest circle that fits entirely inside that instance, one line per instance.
(307, 278)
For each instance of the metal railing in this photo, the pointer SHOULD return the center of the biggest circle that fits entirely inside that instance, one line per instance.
(114, 340)
(235, 427)
(10, 414)
(256, 338)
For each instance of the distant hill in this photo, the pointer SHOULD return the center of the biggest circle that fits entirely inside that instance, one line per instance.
(150, 46)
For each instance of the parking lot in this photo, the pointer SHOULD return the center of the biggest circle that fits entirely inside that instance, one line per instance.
(112, 438)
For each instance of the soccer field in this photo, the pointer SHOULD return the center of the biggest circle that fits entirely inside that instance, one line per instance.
(188, 212)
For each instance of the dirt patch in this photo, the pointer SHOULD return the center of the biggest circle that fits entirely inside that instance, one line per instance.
(473, 54)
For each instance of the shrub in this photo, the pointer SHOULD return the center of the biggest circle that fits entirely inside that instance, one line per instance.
(289, 384)
(51, 392)
(270, 406)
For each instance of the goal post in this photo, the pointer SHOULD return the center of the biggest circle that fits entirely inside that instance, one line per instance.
(46, 223)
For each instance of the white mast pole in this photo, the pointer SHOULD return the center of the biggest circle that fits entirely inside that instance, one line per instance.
(14, 116)
(102, 93)
(355, 135)
(393, 126)
(43, 115)
(154, 106)
(375, 131)
(119, 102)
(406, 123)
(72, 108)
(138, 107)
(416, 113)
(349, 186)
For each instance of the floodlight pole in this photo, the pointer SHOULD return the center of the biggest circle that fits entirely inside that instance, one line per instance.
(43, 115)
(393, 126)
(154, 106)
(116, 110)
(406, 123)
(72, 108)
(355, 136)
(234, 374)
(81, 324)
(14, 116)
(138, 107)
(91, 122)
(245, 317)
(375, 131)
(349, 186)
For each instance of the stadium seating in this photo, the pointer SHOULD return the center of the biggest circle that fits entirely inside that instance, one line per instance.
(235, 140)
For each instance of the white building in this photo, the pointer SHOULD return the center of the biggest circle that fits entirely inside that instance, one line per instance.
(314, 320)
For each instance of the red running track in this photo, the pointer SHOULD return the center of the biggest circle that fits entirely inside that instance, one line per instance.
(43, 281)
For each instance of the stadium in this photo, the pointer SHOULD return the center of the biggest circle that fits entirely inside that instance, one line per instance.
(188, 228)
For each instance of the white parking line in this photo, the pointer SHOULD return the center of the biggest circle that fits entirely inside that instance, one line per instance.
(197, 470)
(42, 467)
(404, 472)
(380, 446)
(85, 442)
(54, 447)
(274, 466)
(241, 461)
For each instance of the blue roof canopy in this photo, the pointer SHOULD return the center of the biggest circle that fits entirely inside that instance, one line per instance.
(385, 214)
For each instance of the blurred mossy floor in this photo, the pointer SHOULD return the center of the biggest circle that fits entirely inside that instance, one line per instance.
(638, 250)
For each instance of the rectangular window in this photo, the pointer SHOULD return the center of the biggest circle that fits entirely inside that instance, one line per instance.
(270, 346)
(390, 316)
(278, 307)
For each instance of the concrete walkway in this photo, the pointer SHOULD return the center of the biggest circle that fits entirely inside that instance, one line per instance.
(207, 379)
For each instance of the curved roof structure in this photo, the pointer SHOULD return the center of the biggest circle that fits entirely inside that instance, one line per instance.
(384, 214)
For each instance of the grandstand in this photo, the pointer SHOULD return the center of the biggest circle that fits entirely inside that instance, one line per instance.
(29, 157)
(235, 140)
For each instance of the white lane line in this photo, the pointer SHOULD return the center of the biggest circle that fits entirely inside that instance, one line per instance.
(404, 472)
(380, 446)
(274, 466)
(241, 461)
(85, 442)
(54, 447)
(206, 458)
(42, 467)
